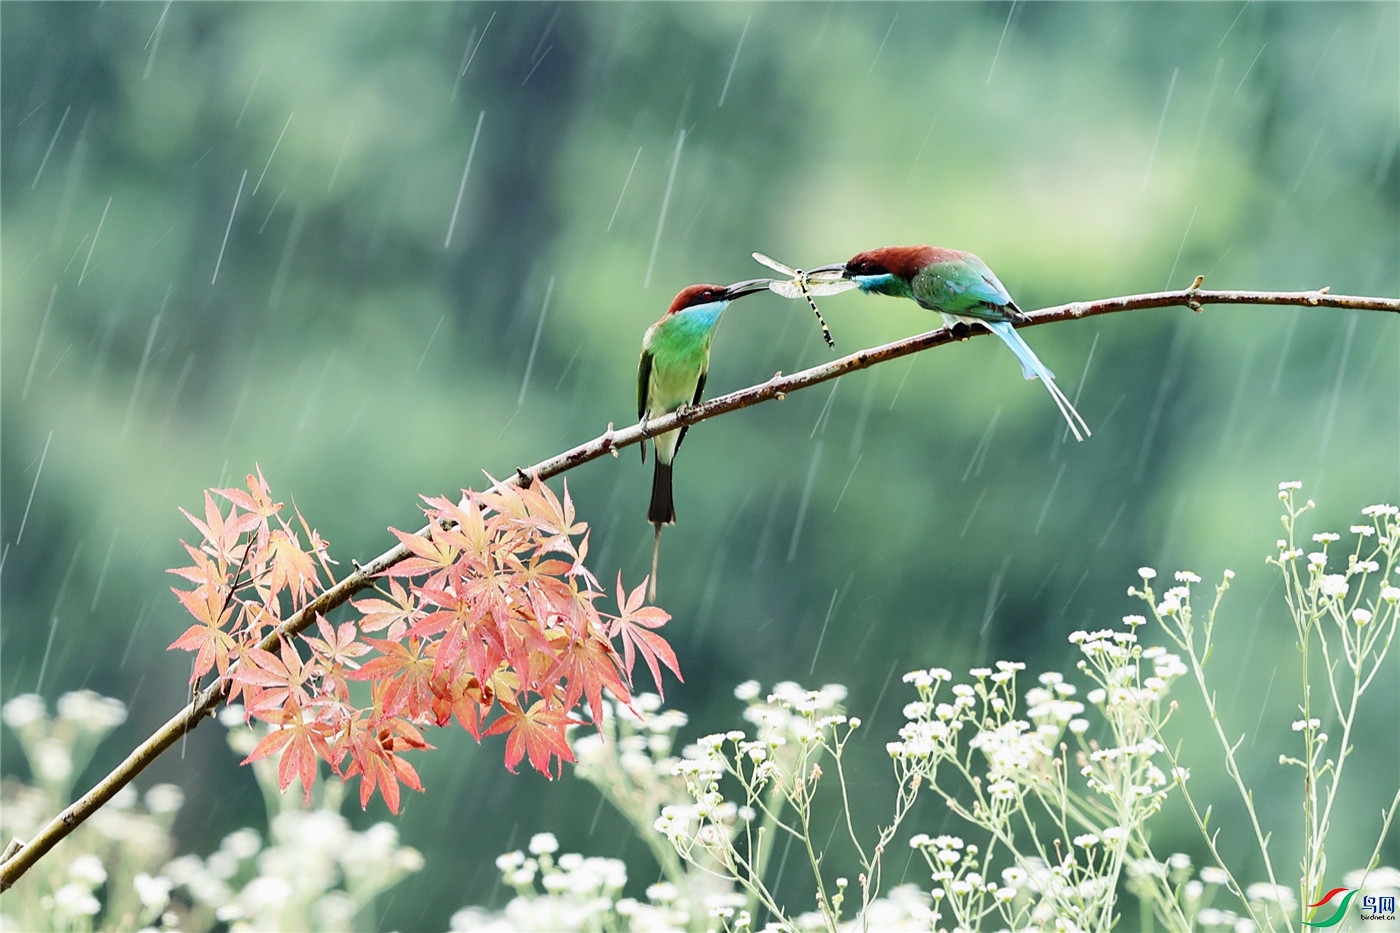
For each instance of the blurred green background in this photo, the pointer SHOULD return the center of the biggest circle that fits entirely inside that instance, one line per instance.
(380, 327)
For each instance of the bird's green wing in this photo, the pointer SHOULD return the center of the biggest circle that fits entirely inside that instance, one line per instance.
(964, 286)
(699, 393)
(643, 378)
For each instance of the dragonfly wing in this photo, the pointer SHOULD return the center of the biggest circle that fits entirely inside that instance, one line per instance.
(819, 288)
(785, 288)
(774, 264)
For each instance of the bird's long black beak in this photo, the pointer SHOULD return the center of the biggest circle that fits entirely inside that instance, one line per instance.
(747, 287)
(833, 267)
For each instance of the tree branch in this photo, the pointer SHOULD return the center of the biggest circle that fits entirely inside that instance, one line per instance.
(25, 855)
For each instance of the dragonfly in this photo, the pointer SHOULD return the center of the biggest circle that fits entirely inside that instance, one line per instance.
(801, 284)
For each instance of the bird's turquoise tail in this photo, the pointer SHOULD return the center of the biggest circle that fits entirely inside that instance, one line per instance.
(1033, 368)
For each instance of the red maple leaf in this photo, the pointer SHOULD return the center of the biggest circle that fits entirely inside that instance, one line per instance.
(463, 698)
(337, 645)
(258, 498)
(222, 537)
(316, 544)
(292, 568)
(537, 732)
(554, 521)
(335, 652)
(272, 682)
(372, 746)
(528, 649)
(301, 743)
(586, 665)
(207, 636)
(403, 673)
(432, 554)
(634, 626)
(203, 571)
(396, 613)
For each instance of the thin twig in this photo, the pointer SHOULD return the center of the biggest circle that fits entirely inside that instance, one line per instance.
(363, 576)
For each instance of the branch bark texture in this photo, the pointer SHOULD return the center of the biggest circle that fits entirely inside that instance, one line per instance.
(20, 858)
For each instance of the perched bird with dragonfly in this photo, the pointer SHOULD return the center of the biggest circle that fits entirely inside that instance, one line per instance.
(959, 286)
(671, 376)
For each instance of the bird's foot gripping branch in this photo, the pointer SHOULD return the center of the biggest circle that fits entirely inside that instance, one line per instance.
(491, 620)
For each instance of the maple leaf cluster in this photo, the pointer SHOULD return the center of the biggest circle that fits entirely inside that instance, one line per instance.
(491, 620)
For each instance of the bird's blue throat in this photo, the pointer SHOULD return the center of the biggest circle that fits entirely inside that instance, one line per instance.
(883, 284)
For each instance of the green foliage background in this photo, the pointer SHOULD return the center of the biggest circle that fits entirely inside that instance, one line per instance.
(922, 513)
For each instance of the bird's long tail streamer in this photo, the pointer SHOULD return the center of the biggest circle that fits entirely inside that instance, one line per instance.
(1033, 368)
(655, 553)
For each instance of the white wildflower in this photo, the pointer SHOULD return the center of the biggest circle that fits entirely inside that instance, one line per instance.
(1210, 874)
(91, 710)
(75, 900)
(1263, 891)
(266, 893)
(1334, 585)
(152, 892)
(1002, 790)
(164, 798)
(662, 893)
(87, 869)
(23, 710)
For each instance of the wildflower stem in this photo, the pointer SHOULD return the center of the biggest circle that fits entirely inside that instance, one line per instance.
(1179, 628)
